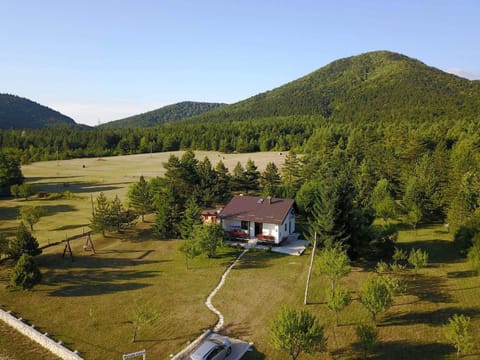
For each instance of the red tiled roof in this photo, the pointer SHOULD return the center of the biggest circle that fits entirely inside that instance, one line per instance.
(258, 209)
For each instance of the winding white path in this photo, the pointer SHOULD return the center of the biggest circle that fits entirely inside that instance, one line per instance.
(208, 302)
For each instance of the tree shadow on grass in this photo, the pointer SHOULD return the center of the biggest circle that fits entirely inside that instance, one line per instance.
(256, 259)
(9, 213)
(439, 251)
(55, 261)
(461, 274)
(437, 317)
(76, 187)
(429, 288)
(71, 227)
(400, 350)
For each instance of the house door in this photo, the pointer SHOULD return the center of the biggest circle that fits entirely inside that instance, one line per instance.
(258, 228)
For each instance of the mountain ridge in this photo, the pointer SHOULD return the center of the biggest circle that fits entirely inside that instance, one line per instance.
(378, 84)
(17, 112)
(165, 114)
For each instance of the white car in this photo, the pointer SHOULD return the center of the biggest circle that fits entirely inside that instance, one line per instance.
(215, 348)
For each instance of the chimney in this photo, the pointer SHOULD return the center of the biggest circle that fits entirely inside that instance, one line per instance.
(269, 199)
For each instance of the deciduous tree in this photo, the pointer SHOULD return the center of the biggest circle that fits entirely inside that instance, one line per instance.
(32, 214)
(296, 332)
(459, 333)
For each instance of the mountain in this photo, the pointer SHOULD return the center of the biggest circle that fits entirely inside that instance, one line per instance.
(163, 115)
(20, 113)
(375, 85)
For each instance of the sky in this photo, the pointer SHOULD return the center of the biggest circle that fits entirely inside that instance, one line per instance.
(103, 60)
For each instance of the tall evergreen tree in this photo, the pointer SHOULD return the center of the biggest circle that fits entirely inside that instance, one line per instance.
(101, 214)
(191, 217)
(223, 191)
(252, 176)
(238, 178)
(382, 200)
(270, 180)
(23, 243)
(26, 273)
(140, 198)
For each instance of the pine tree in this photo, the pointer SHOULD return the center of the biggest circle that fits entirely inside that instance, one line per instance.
(140, 198)
(26, 273)
(223, 191)
(270, 180)
(23, 243)
(191, 217)
(238, 179)
(101, 215)
(252, 176)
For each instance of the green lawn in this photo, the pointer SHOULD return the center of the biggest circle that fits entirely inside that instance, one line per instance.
(88, 303)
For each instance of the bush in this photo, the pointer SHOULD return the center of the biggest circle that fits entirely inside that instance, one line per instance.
(26, 273)
(24, 243)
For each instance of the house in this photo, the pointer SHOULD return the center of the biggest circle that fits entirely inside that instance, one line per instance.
(267, 219)
(210, 216)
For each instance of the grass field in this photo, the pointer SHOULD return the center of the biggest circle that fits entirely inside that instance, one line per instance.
(88, 303)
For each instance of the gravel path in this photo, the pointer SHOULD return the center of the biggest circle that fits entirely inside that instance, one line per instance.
(208, 302)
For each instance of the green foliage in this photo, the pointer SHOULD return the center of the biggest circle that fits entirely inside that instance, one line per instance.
(209, 237)
(191, 218)
(418, 259)
(367, 336)
(143, 314)
(465, 202)
(118, 217)
(25, 191)
(473, 257)
(3, 245)
(382, 200)
(376, 294)
(140, 198)
(338, 299)
(15, 190)
(25, 273)
(270, 181)
(10, 171)
(32, 214)
(252, 177)
(23, 243)
(382, 267)
(101, 215)
(459, 333)
(296, 332)
(169, 113)
(334, 263)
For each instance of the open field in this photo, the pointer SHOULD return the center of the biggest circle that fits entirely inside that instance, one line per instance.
(86, 178)
(88, 303)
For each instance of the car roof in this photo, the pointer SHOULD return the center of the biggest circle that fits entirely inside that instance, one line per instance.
(204, 348)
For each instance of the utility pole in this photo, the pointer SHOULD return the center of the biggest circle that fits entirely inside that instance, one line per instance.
(305, 301)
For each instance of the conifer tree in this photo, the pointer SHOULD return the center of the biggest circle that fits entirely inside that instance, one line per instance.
(252, 176)
(191, 217)
(26, 273)
(270, 180)
(101, 214)
(23, 243)
(140, 198)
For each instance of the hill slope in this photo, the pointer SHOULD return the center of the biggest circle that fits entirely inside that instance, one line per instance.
(366, 87)
(164, 114)
(20, 113)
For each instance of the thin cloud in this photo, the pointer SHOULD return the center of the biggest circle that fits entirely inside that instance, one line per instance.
(471, 75)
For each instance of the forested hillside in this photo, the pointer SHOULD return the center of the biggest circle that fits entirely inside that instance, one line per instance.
(20, 113)
(163, 115)
(374, 86)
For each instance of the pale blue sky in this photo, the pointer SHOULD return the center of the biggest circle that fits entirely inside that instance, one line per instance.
(98, 61)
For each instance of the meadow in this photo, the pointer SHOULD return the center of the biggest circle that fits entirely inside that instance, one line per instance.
(88, 302)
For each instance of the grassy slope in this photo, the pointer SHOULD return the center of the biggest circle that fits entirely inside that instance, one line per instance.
(412, 328)
(87, 303)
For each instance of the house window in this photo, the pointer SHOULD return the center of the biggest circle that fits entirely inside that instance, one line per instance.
(244, 225)
(285, 226)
